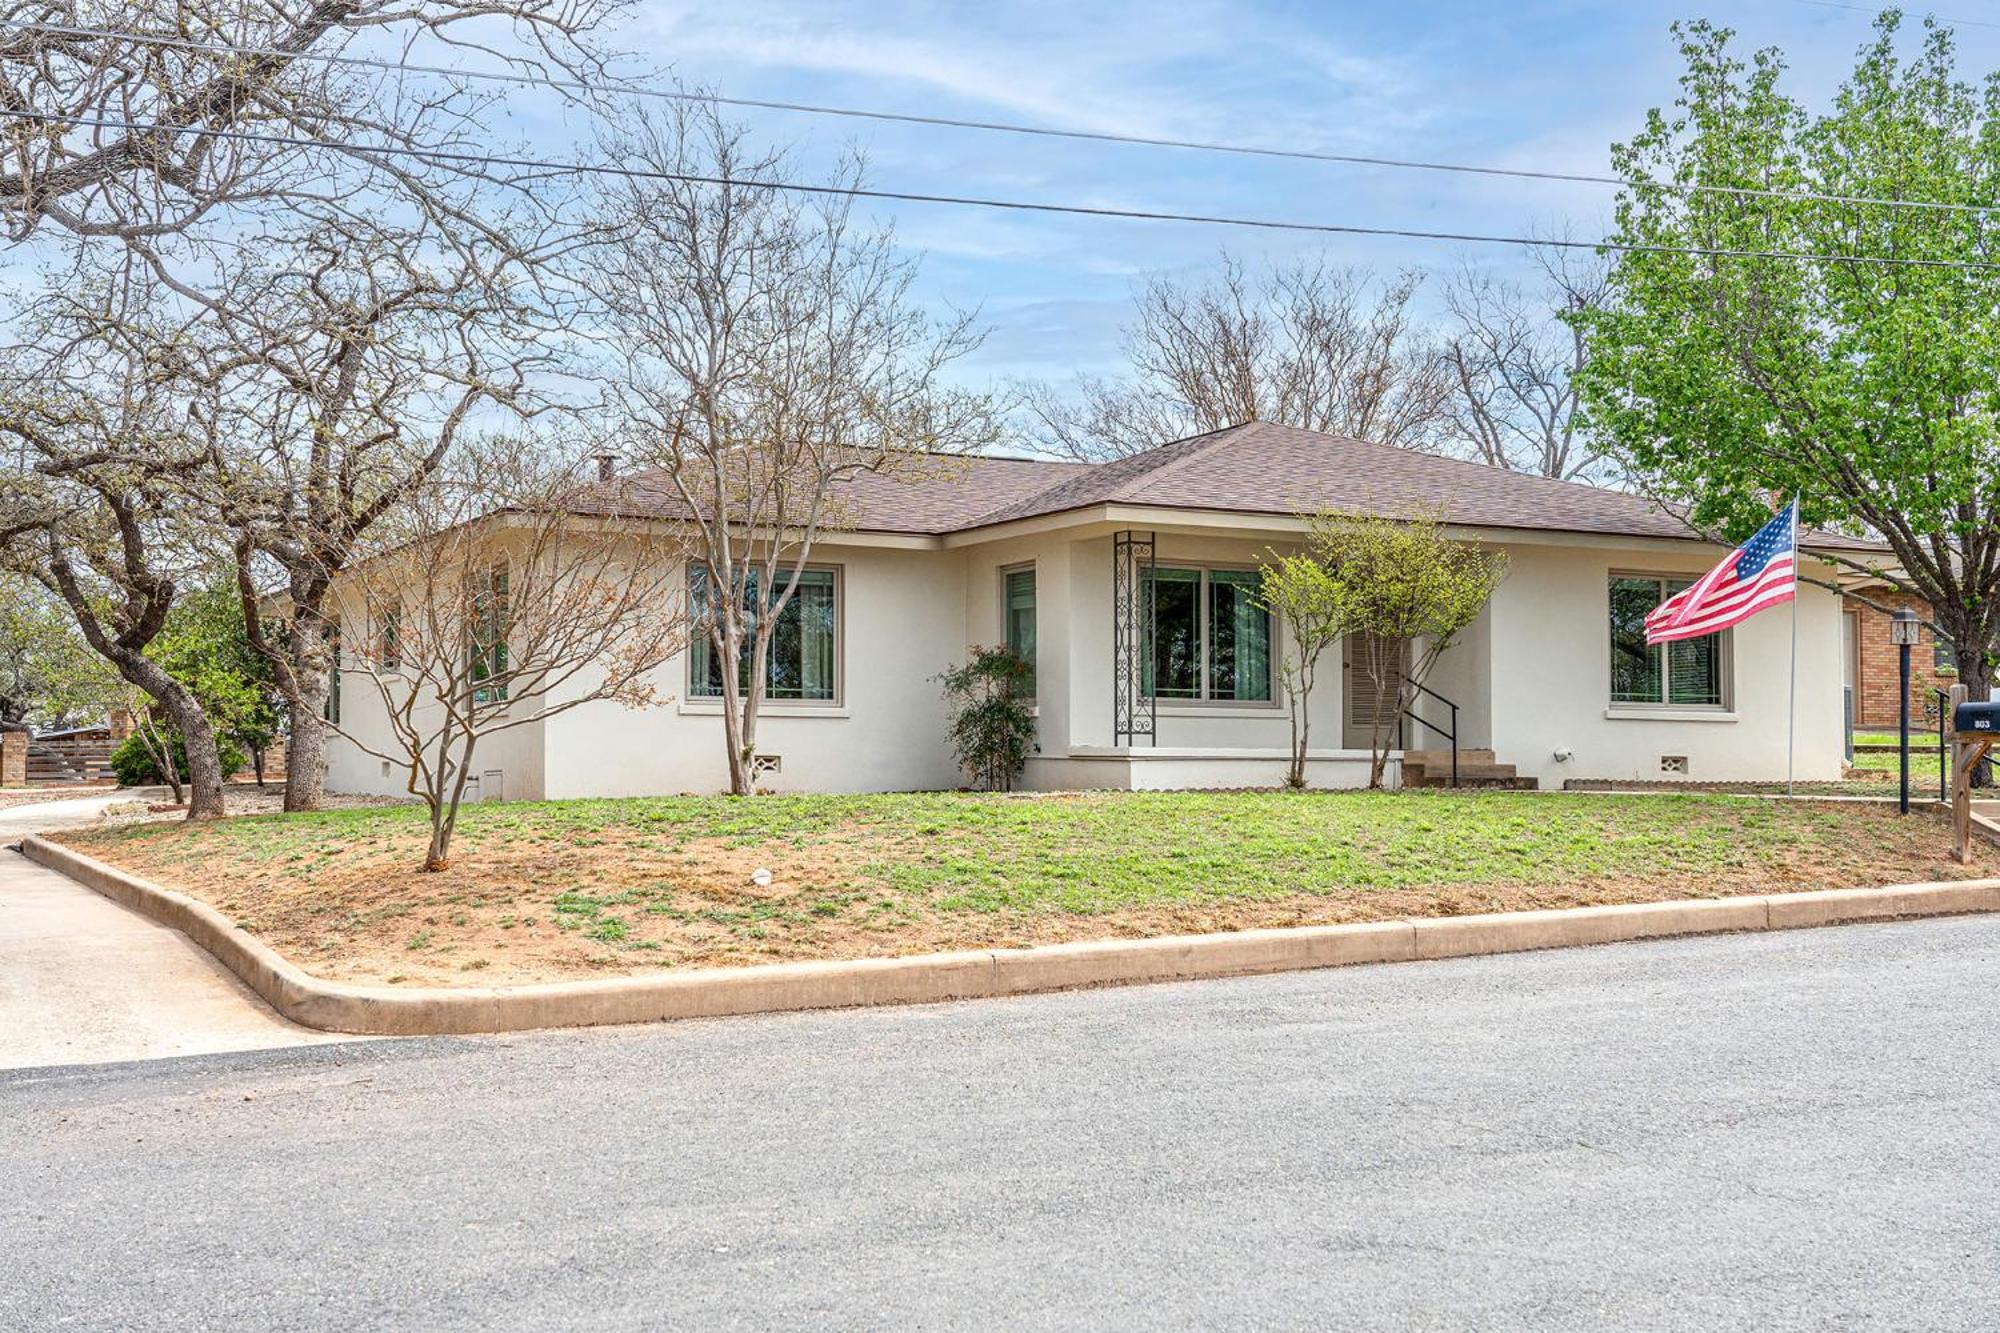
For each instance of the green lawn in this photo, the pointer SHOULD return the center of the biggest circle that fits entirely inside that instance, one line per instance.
(568, 887)
(1919, 739)
(1924, 766)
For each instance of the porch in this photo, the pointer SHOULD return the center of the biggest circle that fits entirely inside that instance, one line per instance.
(1171, 675)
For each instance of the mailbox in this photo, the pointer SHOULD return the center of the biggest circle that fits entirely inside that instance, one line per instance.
(1970, 716)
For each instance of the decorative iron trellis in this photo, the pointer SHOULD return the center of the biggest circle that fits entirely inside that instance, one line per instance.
(1134, 712)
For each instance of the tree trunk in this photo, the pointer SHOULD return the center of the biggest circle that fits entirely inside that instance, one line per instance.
(753, 704)
(438, 855)
(726, 642)
(1301, 733)
(204, 763)
(1975, 673)
(305, 748)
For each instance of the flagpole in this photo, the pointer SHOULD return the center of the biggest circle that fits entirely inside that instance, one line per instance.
(1792, 704)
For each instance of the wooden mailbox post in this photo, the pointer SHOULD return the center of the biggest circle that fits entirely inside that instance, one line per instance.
(1967, 748)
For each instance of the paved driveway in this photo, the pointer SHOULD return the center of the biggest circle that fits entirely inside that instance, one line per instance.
(1783, 1131)
(83, 979)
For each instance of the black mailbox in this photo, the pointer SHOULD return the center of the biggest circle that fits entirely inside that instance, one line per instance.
(1971, 716)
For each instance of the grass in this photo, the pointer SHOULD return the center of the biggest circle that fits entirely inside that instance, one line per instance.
(1919, 738)
(1924, 766)
(567, 888)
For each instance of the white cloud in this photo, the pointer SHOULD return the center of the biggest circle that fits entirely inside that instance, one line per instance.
(1192, 68)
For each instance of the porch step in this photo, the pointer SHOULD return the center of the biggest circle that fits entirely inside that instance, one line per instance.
(1476, 768)
(1442, 758)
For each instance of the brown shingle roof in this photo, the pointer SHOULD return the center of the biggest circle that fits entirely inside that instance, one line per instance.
(1254, 468)
(936, 496)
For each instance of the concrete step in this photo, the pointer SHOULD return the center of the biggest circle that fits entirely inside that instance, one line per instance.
(1466, 770)
(1435, 758)
(1485, 783)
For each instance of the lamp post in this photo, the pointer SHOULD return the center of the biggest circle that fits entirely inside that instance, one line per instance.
(1903, 630)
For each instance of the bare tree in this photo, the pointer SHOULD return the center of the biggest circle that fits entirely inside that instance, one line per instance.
(350, 364)
(1305, 345)
(771, 351)
(122, 119)
(1512, 359)
(486, 605)
(90, 511)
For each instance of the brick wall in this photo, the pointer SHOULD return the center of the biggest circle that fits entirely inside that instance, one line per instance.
(13, 758)
(1875, 673)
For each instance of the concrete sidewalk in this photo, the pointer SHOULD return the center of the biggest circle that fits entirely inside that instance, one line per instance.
(83, 980)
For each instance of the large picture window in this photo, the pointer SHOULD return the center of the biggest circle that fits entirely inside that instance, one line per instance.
(803, 651)
(1020, 598)
(1688, 673)
(1211, 636)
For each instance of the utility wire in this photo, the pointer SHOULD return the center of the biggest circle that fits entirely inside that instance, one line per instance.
(487, 160)
(1871, 9)
(989, 126)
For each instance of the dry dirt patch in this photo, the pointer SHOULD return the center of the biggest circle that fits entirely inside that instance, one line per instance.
(564, 890)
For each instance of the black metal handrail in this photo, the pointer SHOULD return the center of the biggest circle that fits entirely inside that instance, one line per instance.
(1402, 725)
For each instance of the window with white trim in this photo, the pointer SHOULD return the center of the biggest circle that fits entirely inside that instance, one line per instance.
(1688, 673)
(1018, 594)
(1211, 635)
(802, 658)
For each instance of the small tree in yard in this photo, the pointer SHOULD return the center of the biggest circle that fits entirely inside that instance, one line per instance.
(496, 609)
(1315, 609)
(1407, 588)
(992, 729)
(770, 354)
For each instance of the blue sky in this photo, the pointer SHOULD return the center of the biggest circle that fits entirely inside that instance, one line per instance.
(1532, 83)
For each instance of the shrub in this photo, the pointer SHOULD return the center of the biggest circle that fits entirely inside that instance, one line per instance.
(135, 767)
(992, 728)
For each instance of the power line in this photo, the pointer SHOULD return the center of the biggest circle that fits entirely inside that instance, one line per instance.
(993, 126)
(974, 201)
(1871, 9)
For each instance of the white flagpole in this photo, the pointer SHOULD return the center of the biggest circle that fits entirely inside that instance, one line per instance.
(1792, 704)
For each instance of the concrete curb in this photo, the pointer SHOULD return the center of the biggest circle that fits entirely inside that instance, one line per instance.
(710, 993)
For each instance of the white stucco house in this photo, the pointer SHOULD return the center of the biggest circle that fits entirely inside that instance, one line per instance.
(1554, 679)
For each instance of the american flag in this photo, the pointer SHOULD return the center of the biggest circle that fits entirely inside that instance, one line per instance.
(1761, 572)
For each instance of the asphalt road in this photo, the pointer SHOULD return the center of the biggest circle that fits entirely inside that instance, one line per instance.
(1778, 1131)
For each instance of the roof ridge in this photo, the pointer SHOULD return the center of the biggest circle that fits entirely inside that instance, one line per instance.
(1085, 469)
(1216, 439)
(1488, 468)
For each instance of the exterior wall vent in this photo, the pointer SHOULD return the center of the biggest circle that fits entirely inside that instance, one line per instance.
(764, 765)
(1674, 763)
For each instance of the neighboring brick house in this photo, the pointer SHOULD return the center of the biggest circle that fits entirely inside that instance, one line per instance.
(1870, 665)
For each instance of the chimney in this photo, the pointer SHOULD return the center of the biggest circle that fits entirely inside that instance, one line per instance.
(607, 466)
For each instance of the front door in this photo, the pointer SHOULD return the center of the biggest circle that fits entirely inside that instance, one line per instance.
(1370, 693)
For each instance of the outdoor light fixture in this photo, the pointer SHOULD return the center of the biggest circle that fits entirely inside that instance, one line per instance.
(1903, 630)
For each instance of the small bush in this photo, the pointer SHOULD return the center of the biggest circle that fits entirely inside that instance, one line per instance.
(135, 767)
(992, 729)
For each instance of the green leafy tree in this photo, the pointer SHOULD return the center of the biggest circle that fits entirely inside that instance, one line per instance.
(49, 677)
(1863, 382)
(147, 756)
(1313, 604)
(992, 727)
(206, 647)
(1408, 590)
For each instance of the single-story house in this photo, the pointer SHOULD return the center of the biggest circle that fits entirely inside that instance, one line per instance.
(1554, 679)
